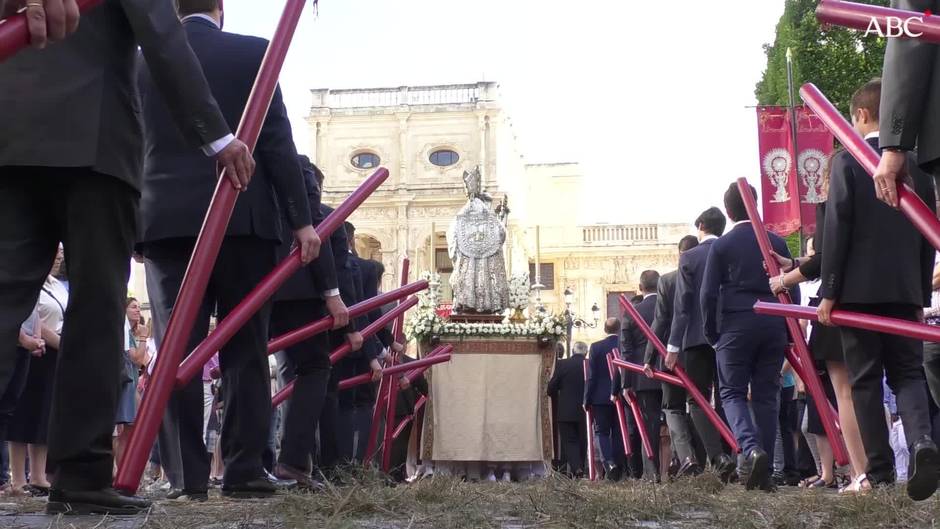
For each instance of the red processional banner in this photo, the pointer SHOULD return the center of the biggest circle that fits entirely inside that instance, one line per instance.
(790, 189)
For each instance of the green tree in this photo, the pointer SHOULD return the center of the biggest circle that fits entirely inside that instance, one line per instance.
(837, 60)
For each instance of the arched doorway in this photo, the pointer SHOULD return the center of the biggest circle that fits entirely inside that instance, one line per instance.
(369, 247)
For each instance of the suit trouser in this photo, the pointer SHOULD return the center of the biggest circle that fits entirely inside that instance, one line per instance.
(869, 356)
(700, 365)
(750, 358)
(650, 402)
(574, 442)
(677, 419)
(607, 430)
(932, 369)
(308, 366)
(246, 381)
(94, 216)
(328, 455)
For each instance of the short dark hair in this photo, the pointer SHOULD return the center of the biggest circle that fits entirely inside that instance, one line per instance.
(649, 279)
(612, 326)
(191, 7)
(711, 221)
(868, 97)
(636, 299)
(687, 243)
(734, 203)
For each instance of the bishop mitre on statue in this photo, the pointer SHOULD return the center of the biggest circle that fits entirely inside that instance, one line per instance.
(475, 243)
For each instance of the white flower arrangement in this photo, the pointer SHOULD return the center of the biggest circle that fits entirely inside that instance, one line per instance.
(425, 322)
(519, 292)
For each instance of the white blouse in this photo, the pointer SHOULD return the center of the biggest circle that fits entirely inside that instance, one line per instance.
(53, 300)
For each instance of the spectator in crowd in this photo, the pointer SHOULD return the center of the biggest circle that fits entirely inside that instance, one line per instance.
(30, 344)
(896, 434)
(136, 355)
(29, 425)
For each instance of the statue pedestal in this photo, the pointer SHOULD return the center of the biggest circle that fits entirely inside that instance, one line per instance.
(489, 403)
(475, 318)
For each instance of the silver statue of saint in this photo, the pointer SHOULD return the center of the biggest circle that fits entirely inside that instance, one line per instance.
(475, 242)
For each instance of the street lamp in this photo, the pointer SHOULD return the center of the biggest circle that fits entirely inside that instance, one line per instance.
(572, 320)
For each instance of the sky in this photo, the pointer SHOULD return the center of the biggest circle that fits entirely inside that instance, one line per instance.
(652, 101)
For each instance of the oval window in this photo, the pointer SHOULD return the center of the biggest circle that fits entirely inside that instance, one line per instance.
(444, 157)
(365, 160)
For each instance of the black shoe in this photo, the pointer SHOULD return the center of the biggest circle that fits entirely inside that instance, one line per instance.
(187, 495)
(103, 501)
(303, 480)
(923, 476)
(256, 488)
(768, 485)
(614, 472)
(279, 484)
(724, 466)
(754, 470)
(690, 467)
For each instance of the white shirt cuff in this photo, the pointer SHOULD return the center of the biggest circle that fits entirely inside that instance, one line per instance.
(672, 349)
(333, 292)
(218, 145)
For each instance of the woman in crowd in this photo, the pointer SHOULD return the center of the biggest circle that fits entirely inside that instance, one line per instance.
(29, 425)
(826, 345)
(30, 344)
(136, 355)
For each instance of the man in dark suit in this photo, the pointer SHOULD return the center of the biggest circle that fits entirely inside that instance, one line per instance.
(877, 263)
(674, 397)
(70, 165)
(597, 398)
(687, 337)
(328, 425)
(910, 101)
(567, 388)
(307, 296)
(178, 186)
(749, 347)
(649, 393)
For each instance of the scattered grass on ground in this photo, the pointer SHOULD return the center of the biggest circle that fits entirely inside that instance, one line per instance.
(366, 501)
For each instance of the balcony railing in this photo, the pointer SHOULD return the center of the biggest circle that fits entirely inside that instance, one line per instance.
(405, 95)
(620, 234)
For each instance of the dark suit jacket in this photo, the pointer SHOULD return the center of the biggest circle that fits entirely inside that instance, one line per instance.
(687, 330)
(735, 279)
(873, 252)
(634, 350)
(75, 103)
(567, 388)
(179, 181)
(597, 388)
(662, 316)
(319, 276)
(370, 289)
(910, 100)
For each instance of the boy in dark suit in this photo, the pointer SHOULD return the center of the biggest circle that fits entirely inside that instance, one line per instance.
(649, 393)
(674, 397)
(877, 263)
(597, 398)
(567, 387)
(686, 336)
(749, 348)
